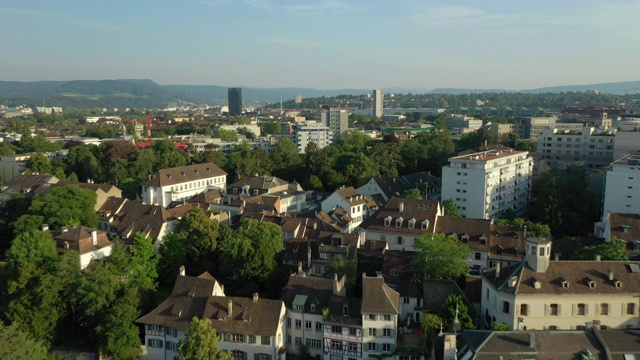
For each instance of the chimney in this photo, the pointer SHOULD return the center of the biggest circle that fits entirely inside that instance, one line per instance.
(45, 227)
(94, 237)
(63, 229)
(315, 225)
(309, 255)
(498, 266)
(556, 256)
(335, 276)
(524, 232)
(532, 340)
(229, 308)
(182, 270)
(255, 297)
(299, 267)
(611, 275)
(401, 207)
(598, 257)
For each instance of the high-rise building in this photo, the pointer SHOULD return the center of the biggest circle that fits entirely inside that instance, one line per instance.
(336, 119)
(235, 101)
(486, 184)
(298, 99)
(622, 180)
(378, 97)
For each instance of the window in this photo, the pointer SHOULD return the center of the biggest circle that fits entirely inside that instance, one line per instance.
(318, 326)
(582, 309)
(353, 332)
(604, 309)
(505, 307)
(372, 346)
(387, 221)
(237, 338)
(418, 304)
(386, 332)
(298, 341)
(288, 322)
(372, 332)
(345, 310)
(172, 332)
(239, 354)
(173, 346)
(631, 309)
(542, 251)
(405, 300)
(288, 339)
(553, 309)
(154, 343)
(388, 317)
(336, 345)
(478, 256)
(393, 272)
(524, 309)
(399, 240)
(307, 324)
(298, 323)
(552, 327)
(386, 347)
(252, 339)
(314, 343)
(313, 307)
(372, 317)
(353, 346)
(336, 329)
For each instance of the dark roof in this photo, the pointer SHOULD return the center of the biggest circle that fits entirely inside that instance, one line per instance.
(418, 210)
(316, 289)
(436, 291)
(352, 196)
(625, 226)
(378, 297)
(620, 342)
(177, 175)
(577, 274)
(208, 197)
(91, 186)
(131, 216)
(80, 240)
(466, 230)
(547, 345)
(507, 242)
(264, 182)
(27, 183)
(192, 297)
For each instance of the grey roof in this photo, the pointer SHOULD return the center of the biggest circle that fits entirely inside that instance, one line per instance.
(178, 175)
(378, 297)
(436, 291)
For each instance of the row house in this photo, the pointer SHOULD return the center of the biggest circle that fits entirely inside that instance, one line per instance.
(90, 244)
(291, 196)
(349, 207)
(26, 185)
(561, 295)
(182, 183)
(249, 328)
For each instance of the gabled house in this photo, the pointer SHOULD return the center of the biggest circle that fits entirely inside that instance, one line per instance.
(103, 191)
(90, 244)
(26, 185)
(249, 328)
(124, 218)
(620, 226)
(474, 233)
(349, 208)
(182, 183)
(561, 295)
(388, 187)
(292, 198)
(401, 221)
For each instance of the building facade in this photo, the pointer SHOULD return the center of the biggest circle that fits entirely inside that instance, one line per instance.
(336, 119)
(486, 184)
(622, 182)
(378, 105)
(235, 101)
(592, 146)
(462, 123)
(308, 132)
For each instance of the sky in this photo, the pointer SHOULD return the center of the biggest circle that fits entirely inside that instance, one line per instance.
(323, 44)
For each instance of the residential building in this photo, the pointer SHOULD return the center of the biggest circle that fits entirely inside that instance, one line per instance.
(622, 184)
(378, 103)
(90, 244)
(380, 309)
(486, 184)
(181, 183)
(401, 221)
(625, 227)
(103, 191)
(249, 328)
(291, 197)
(336, 119)
(387, 187)
(235, 101)
(349, 207)
(539, 294)
(124, 218)
(626, 142)
(12, 166)
(26, 185)
(593, 147)
(316, 132)
(254, 128)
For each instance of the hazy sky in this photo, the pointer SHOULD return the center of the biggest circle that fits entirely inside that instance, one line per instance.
(332, 44)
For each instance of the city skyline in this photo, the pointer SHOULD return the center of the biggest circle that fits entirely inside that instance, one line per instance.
(328, 44)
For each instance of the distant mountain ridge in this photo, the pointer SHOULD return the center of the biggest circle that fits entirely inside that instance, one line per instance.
(145, 93)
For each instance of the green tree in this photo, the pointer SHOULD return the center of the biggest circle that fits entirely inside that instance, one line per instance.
(535, 229)
(440, 257)
(226, 135)
(450, 208)
(199, 236)
(285, 160)
(201, 343)
(38, 163)
(457, 303)
(143, 262)
(167, 155)
(173, 254)
(17, 344)
(143, 165)
(61, 206)
(430, 324)
(500, 326)
(527, 145)
(251, 250)
(118, 332)
(83, 162)
(343, 267)
(413, 194)
(615, 250)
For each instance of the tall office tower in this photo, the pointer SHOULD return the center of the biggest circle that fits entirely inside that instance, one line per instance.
(336, 119)
(378, 97)
(235, 101)
(298, 99)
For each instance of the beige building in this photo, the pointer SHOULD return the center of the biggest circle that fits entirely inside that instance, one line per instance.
(539, 294)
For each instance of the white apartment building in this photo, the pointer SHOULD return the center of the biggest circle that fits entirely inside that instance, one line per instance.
(487, 183)
(349, 207)
(539, 294)
(181, 183)
(622, 185)
(316, 132)
(201, 143)
(249, 328)
(592, 146)
(378, 98)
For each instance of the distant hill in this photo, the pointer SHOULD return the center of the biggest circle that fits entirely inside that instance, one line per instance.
(144, 93)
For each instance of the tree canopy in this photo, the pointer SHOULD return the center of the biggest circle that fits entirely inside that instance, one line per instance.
(440, 257)
(201, 343)
(457, 303)
(614, 250)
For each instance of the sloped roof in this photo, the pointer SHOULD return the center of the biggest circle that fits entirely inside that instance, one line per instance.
(378, 297)
(27, 183)
(625, 226)
(352, 196)
(317, 290)
(474, 229)
(192, 297)
(264, 182)
(436, 291)
(416, 209)
(131, 216)
(80, 240)
(181, 174)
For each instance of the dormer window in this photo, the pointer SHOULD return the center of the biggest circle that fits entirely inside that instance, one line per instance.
(345, 310)
(424, 224)
(313, 307)
(625, 229)
(564, 283)
(399, 221)
(591, 283)
(483, 239)
(617, 283)
(387, 221)
(393, 272)
(465, 238)
(412, 223)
